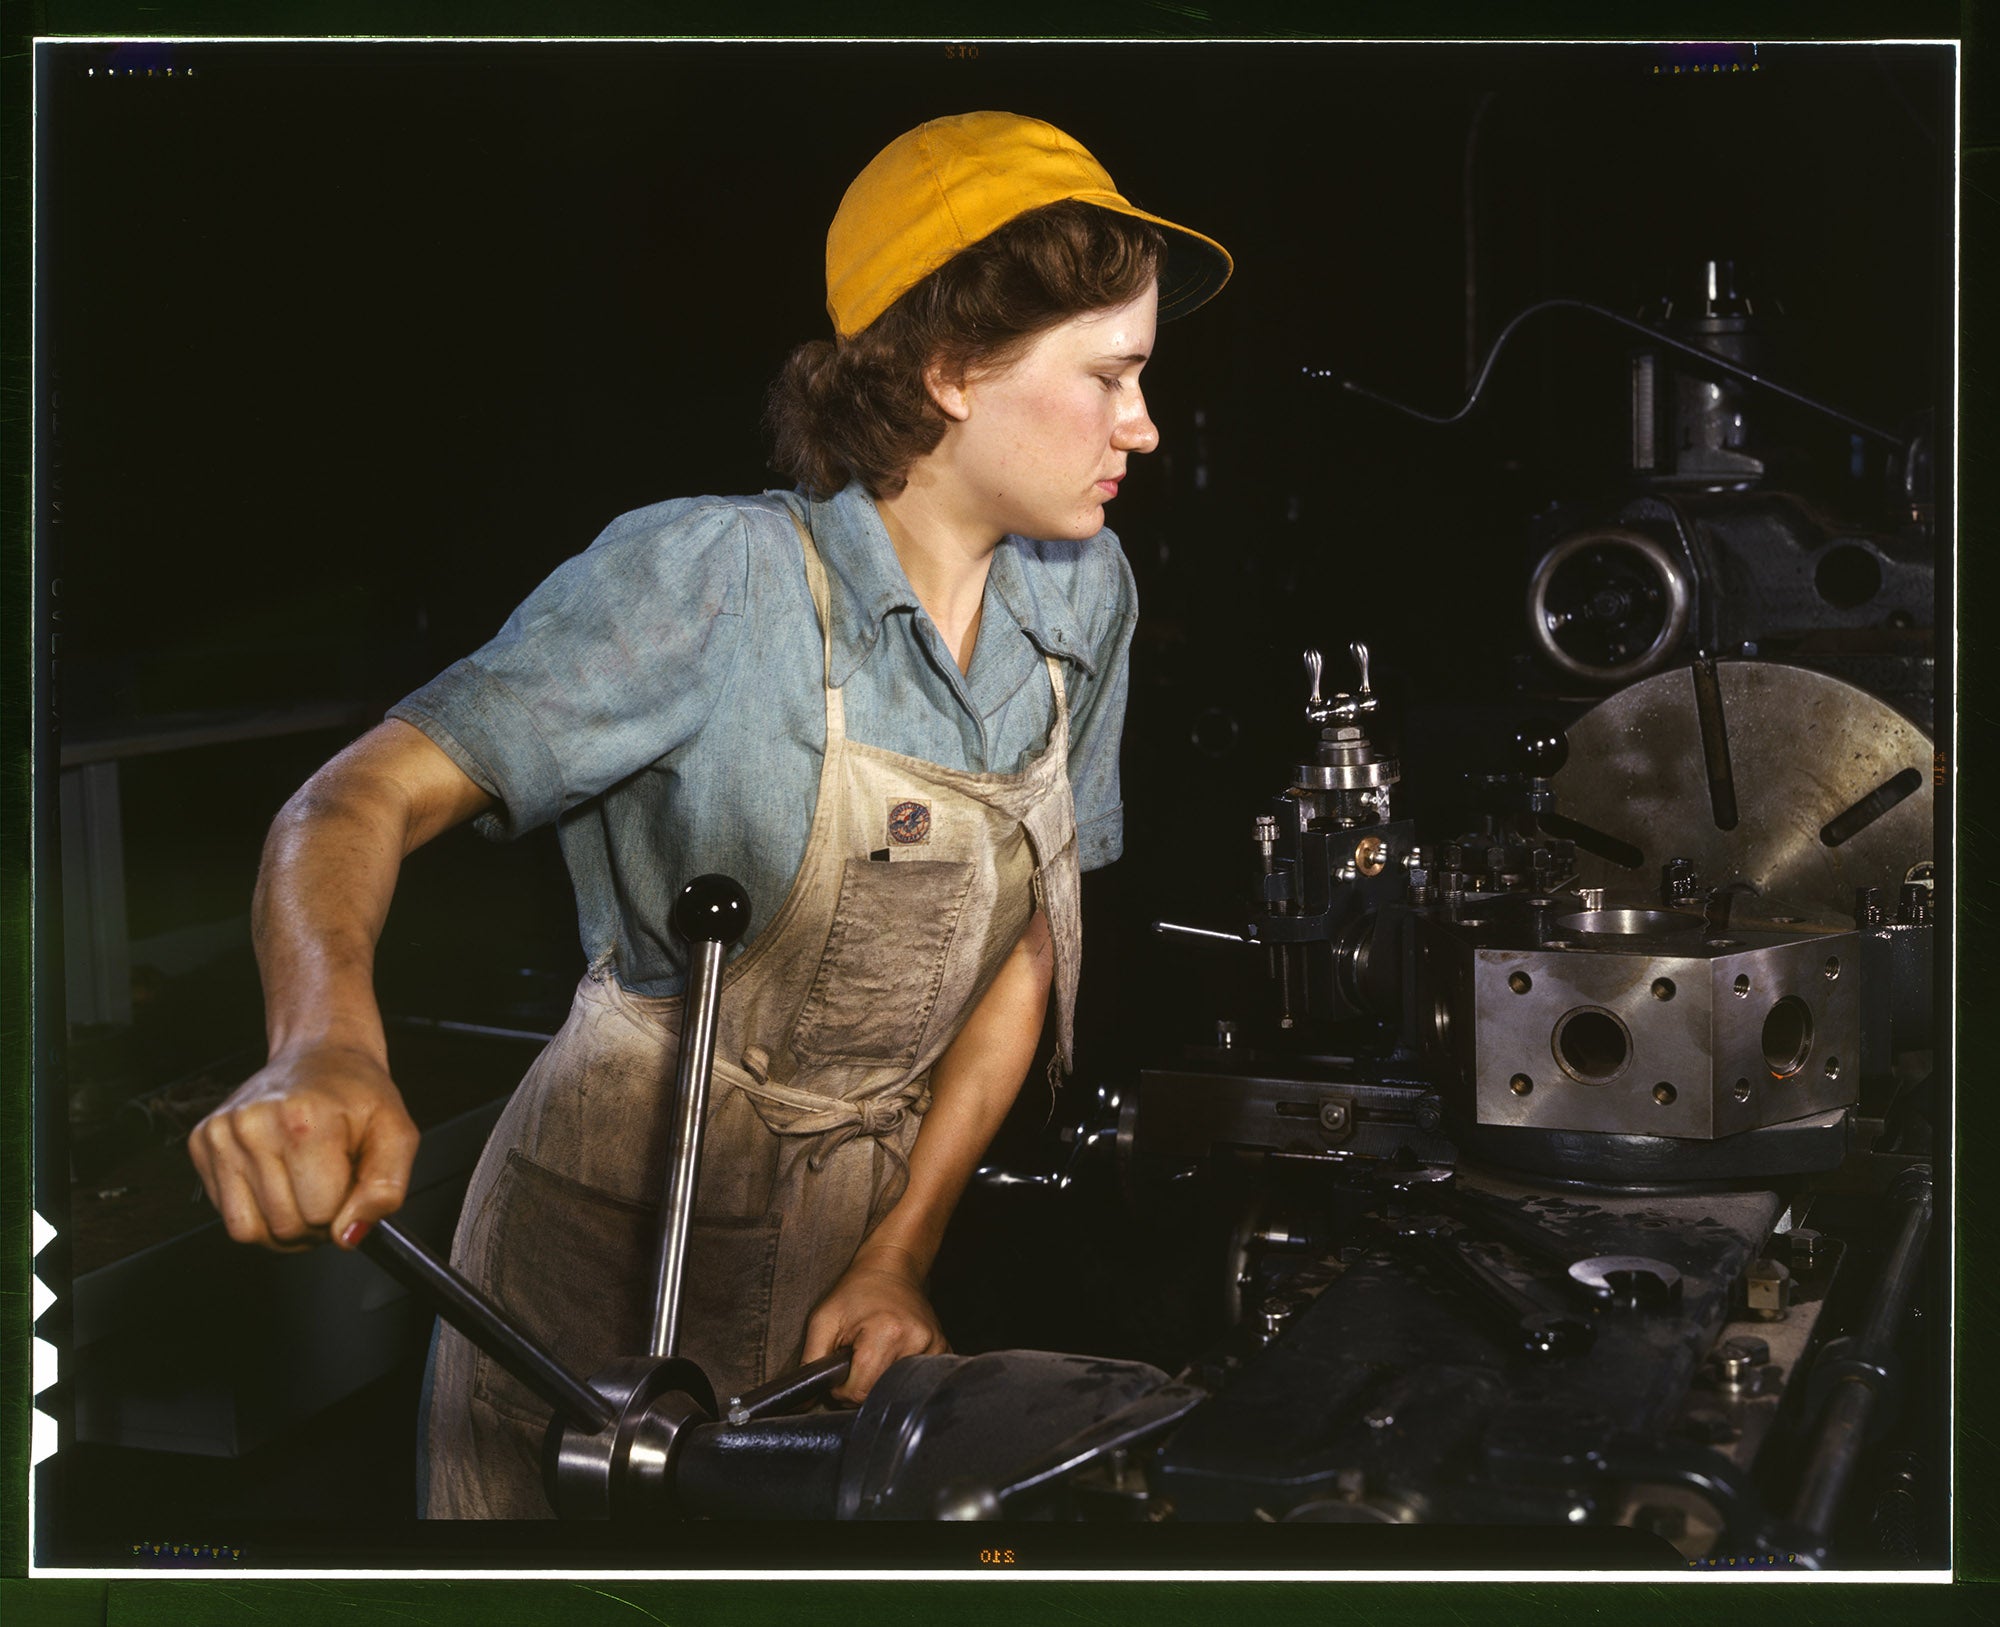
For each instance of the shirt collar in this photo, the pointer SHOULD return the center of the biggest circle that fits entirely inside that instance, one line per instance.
(1033, 599)
(866, 583)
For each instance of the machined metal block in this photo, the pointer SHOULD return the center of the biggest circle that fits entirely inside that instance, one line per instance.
(1634, 1022)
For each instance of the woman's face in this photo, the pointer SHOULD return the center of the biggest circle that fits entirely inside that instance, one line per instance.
(1038, 449)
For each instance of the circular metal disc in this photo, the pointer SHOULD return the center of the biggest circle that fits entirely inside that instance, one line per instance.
(1804, 752)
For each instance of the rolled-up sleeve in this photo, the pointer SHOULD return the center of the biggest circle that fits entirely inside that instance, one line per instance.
(610, 665)
(1110, 610)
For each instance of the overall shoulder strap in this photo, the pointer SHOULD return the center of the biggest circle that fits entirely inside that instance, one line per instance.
(1055, 666)
(821, 596)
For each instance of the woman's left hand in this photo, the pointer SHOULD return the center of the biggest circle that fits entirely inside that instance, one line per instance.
(880, 1308)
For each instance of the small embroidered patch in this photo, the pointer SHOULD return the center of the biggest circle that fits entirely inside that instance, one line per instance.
(910, 823)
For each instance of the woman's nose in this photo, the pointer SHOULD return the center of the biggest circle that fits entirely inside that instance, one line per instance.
(1136, 432)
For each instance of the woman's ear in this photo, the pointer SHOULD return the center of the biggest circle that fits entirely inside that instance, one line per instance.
(948, 391)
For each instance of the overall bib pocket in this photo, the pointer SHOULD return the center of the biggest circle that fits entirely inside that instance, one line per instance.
(885, 957)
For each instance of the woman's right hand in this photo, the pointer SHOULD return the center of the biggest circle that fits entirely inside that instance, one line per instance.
(317, 1144)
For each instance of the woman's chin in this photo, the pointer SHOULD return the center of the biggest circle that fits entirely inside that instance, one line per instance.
(1087, 523)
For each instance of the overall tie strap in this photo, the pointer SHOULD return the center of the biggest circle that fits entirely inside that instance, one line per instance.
(836, 1120)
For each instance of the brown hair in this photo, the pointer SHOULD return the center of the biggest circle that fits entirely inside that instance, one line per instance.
(857, 409)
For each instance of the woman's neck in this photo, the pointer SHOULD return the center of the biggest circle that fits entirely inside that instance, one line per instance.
(946, 559)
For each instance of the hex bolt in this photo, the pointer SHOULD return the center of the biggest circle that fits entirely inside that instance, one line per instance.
(1333, 1116)
(1807, 1247)
(1739, 1361)
(1767, 1290)
(1867, 907)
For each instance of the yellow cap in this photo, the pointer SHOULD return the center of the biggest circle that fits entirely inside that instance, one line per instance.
(948, 183)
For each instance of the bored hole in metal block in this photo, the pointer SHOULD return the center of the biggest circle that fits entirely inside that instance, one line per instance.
(1787, 1036)
(1592, 1045)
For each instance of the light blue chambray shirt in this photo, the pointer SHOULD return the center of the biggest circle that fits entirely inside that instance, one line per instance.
(659, 697)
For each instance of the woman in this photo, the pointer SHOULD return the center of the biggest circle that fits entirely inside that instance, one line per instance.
(889, 703)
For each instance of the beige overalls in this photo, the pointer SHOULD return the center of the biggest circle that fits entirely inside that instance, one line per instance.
(917, 882)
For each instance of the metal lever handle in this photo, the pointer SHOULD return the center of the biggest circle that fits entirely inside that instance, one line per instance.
(1342, 706)
(1200, 932)
(790, 1390)
(487, 1326)
(711, 913)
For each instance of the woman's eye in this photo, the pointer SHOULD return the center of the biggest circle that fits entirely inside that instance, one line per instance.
(1111, 381)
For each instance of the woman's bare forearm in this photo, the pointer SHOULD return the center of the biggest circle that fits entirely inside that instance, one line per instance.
(879, 1305)
(318, 1142)
(328, 874)
(329, 870)
(973, 1087)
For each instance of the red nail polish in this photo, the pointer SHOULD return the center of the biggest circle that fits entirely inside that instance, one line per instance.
(354, 1233)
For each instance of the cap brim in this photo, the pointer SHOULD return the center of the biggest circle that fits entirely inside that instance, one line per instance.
(1196, 267)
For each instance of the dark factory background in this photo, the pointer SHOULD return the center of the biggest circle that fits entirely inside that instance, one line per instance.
(343, 348)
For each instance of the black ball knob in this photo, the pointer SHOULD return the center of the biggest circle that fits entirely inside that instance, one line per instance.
(713, 909)
(1540, 748)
